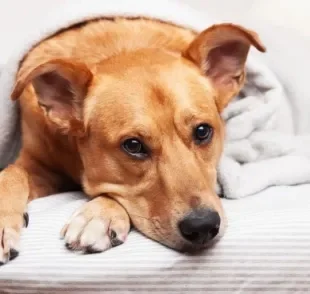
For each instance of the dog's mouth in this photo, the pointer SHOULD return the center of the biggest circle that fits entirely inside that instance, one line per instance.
(185, 247)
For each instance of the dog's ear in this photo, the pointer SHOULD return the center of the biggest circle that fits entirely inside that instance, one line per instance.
(61, 86)
(221, 52)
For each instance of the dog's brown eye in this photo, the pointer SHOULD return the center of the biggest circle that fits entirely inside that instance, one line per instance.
(202, 134)
(135, 147)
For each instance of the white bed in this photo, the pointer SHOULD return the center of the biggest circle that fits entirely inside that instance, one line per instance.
(266, 250)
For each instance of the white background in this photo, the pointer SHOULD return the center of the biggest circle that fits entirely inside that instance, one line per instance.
(16, 15)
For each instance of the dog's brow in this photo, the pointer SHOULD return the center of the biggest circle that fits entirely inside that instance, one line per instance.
(194, 116)
(139, 130)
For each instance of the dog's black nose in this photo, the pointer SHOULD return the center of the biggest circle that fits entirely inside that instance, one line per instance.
(200, 226)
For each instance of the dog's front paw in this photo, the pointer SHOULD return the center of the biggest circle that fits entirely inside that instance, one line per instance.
(10, 228)
(97, 226)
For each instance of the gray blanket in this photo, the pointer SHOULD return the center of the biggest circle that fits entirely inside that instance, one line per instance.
(262, 146)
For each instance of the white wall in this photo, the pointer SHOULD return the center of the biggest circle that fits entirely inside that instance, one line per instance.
(293, 14)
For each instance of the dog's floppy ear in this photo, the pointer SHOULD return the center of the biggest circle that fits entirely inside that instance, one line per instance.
(61, 86)
(221, 52)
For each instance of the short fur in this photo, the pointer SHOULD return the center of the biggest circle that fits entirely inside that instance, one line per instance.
(86, 89)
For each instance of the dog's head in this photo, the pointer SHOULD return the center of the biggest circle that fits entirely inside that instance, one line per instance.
(149, 130)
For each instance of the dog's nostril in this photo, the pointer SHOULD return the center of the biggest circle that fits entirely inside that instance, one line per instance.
(213, 232)
(200, 226)
(191, 236)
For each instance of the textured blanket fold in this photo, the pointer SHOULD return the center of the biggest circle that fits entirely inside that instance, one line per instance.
(261, 147)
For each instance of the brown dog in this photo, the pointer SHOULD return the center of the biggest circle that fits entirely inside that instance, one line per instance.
(130, 110)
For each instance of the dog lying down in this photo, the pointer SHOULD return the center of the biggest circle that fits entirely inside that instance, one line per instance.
(129, 109)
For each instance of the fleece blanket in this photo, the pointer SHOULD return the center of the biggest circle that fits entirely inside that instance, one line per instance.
(262, 148)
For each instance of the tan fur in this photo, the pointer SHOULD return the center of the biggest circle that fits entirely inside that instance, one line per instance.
(129, 78)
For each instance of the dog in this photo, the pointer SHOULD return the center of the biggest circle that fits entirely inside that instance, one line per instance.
(128, 109)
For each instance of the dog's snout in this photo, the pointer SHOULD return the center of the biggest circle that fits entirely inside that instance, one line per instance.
(200, 226)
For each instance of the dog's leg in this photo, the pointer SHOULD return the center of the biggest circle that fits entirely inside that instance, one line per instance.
(97, 226)
(24, 180)
(14, 191)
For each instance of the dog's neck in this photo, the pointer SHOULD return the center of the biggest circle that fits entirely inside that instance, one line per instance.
(94, 41)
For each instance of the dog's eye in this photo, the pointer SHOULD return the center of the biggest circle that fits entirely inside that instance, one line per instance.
(135, 147)
(202, 134)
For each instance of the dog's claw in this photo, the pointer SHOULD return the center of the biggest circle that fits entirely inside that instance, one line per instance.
(73, 246)
(92, 250)
(26, 219)
(13, 254)
(113, 234)
(114, 240)
(9, 241)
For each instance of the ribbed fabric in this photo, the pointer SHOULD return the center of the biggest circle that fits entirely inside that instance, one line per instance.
(265, 250)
